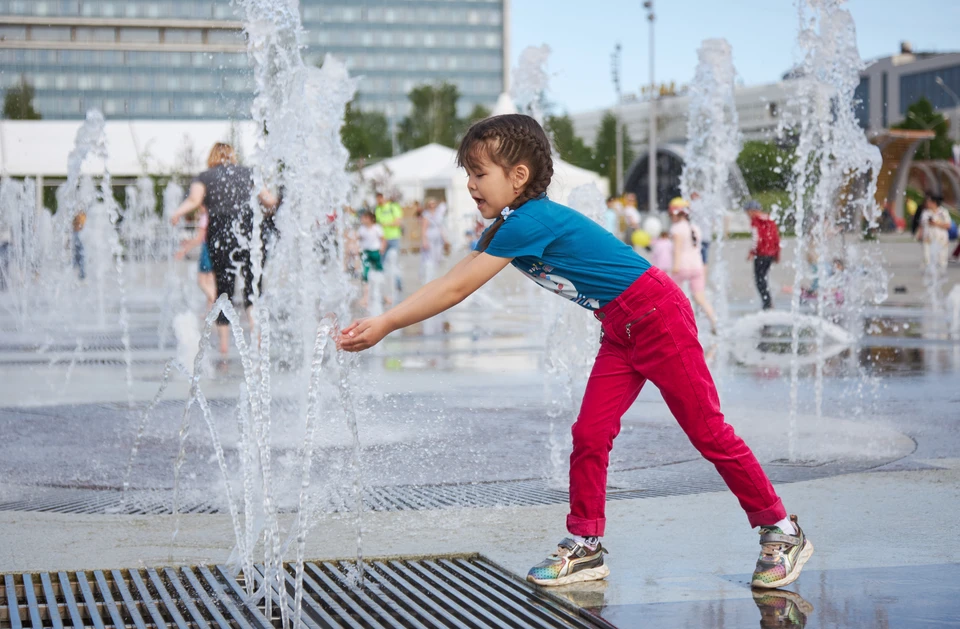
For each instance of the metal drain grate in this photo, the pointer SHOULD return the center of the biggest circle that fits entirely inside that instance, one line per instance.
(682, 479)
(446, 592)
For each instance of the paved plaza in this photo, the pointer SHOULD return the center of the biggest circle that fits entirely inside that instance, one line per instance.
(459, 456)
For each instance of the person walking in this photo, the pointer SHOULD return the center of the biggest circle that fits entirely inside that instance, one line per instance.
(687, 263)
(631, 218)
(934, 233)
(432, 239)
(389, 216)
(6, 242)
(765, 249)
(79, 256)
(648, 333)
(225, 189)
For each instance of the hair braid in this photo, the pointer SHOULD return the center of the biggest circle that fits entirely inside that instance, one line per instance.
(509, 140)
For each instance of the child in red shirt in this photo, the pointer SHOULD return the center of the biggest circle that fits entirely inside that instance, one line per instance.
(765, 250)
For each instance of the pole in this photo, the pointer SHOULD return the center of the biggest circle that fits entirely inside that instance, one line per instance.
(652, 155)
(615, 69)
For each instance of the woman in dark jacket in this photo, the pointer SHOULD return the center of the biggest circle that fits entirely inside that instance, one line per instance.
(225, 189)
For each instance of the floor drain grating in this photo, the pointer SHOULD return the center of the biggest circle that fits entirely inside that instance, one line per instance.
(692, 478)
(445, 591)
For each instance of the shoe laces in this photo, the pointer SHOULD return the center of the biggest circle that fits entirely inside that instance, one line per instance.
(771, 550)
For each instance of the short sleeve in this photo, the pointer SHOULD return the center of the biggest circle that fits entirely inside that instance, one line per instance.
(520, 235)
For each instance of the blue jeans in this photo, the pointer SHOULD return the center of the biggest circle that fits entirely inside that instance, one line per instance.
(4, 264)
(78, 258)
(394, 245)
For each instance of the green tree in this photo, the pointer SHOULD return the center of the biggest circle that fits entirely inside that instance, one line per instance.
(18, 102)
(479, 112)
(366, 134)
(921, 116)
(571, 147)
(433, 117)
(765, 166)
(605, 149)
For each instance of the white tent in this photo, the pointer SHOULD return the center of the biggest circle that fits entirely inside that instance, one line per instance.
(40, 148)
(432, 170)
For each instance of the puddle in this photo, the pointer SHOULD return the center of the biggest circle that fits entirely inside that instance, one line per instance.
(905, 596)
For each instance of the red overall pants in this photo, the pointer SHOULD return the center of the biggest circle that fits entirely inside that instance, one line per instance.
(649, 333)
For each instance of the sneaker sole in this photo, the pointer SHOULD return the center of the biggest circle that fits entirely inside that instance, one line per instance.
(590, 574)
(805, 553)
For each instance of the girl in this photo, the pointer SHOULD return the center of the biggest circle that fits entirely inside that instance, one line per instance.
(687, 263)
(648, 333)
(205, 278)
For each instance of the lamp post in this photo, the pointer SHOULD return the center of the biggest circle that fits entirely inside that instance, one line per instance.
(956, 127)
(652, 154)
(615, 73)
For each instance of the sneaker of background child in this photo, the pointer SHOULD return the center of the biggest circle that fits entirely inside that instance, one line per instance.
(781, 556)
(573, 562)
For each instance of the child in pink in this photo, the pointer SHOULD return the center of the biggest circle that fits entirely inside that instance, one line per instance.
(661, 252)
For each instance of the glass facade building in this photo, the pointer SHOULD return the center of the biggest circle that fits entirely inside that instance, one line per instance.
(186, 59)
(888, 87)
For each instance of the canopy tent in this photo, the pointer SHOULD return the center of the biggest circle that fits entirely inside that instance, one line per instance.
(134, 148)
(432, 170)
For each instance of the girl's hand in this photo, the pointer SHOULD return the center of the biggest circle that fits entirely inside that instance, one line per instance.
(362, 334)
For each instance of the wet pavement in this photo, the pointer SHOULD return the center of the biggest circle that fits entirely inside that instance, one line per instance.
(910, 596)
(875, 478)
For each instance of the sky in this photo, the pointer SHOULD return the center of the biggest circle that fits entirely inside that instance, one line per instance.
(762, 34)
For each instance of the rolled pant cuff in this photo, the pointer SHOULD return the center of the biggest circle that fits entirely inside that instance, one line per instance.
(586, 528)
(768, 517)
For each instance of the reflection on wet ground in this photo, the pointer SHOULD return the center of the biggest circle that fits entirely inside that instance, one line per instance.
(880, 598)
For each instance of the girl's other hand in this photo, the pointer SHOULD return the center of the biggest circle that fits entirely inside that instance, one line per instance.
(362, 334)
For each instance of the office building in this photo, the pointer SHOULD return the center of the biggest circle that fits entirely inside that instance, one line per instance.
(186, 59)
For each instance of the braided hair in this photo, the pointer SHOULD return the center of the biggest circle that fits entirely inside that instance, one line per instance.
(506, 141)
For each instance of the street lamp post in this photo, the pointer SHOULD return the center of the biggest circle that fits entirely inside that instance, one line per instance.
(615, 71)
(652, 154)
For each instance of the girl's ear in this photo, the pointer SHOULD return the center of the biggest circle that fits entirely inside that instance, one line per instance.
(519, 177)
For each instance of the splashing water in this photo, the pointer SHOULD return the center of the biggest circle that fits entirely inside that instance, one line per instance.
(833, 184)
(530, 81)
(571, 348)
(713, 144)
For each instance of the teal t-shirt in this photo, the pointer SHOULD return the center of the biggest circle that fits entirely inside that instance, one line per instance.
(567, 253)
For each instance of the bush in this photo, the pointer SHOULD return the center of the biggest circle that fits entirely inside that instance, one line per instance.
(765, 166)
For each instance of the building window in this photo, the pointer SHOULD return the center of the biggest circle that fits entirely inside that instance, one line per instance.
(861, 102)
(140, 35)
(219, 36)
(183, 36)
(50, 33)
(884, 105)
(85, 34)
(919, 85)
(13, 33)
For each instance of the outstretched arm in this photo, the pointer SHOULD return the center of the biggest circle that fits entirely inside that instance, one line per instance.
(433, 298)
(192, 202)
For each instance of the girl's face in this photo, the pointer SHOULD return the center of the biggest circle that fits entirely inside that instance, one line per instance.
(492, 187)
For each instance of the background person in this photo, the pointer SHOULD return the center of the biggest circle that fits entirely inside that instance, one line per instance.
(372, 245)
(765, 249)
(79, 256)
(432, 240)
(631, 217)
(934, 232)
(687, 264)
(389, 216)
(225, 189)
(205, 277)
